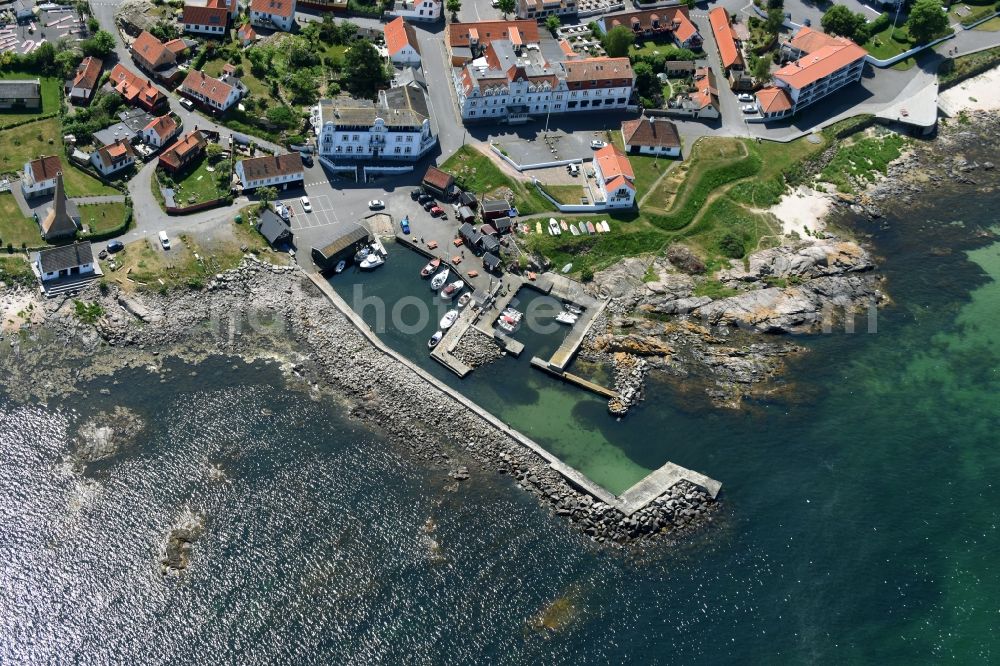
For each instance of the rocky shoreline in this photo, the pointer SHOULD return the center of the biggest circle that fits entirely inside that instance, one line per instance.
(259, 306)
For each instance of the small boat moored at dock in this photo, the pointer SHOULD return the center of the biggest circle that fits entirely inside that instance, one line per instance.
(341, 265)
(566, 318)
(438, 280)
(436, 338)
(464, 299)
(448, 319)
(371, 262)
(429, 269)
(451, 290)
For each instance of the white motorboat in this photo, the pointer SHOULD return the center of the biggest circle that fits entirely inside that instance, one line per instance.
(506, 324)
(371, 262)
(448, 319)
(436, 338)
(451, 290)
(513, 314)
(464, 299)
(438, 280)
(341, 265)
(361, 254)
(566, 318)
(554, 229)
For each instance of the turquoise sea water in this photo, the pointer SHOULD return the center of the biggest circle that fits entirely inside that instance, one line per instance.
(859, 526)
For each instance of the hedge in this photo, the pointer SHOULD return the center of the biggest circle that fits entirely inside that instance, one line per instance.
(111, 233)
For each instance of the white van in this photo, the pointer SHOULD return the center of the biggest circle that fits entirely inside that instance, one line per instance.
(574, 169)
(164, 240)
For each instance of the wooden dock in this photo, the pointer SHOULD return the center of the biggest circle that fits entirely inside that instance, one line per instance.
(442, 353)
(574, 379)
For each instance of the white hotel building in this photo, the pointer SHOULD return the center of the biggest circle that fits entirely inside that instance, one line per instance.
(512, 83)
(397, 128)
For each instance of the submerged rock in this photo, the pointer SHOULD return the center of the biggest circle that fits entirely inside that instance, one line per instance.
(107, 435)
(176, 556)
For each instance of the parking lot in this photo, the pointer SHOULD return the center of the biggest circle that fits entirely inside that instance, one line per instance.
(51, 25)
(323, 213)
(527, 147)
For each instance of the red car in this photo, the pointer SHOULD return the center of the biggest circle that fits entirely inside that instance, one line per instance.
(437, 211)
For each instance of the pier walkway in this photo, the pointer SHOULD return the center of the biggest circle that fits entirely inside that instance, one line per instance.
(633, 499)
(574, 379)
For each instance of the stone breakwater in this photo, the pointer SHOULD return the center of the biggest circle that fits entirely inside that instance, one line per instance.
(262, 306)
(476, 349)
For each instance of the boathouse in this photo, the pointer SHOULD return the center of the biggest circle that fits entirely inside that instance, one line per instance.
(470, 236)
(274, 229)
(439, 182)
(491, 262)
(495, 209)
(346, 238)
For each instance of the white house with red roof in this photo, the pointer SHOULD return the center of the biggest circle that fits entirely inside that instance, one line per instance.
(820, 65)
(113, 157)
(206, 20)
(160, 131)
(401, 43)
(212, 92)
(275, 14)
(615, 179)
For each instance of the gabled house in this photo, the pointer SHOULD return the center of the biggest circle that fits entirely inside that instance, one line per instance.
(63, 262)
(274, 229)
(729, 50)
(615, 178)
(205, 20)
(277, 171)
(438, 182)
(274, 14)
(156, 58)
(401, 43)
(135, 89)
(651, 136)
(88, 73)
(160, 131)
(246, 35)
(183, 152)
(21, 94)
(214, 93)
(40, 176)
(670, 22)
(114, 157)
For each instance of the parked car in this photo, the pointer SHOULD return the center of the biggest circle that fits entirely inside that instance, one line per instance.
(164, 240)
(187, 104)
(115, 246)
(307, 159)
(597, 143)
(745, 97)
(376, 204)
(416, 194)
(437, 211)
(306, 206)
(749, 108)
(424, 198)
(429, 205)
(404, 224)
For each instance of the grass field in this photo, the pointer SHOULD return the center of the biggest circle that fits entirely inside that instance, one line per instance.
(27, 142)
(100, 218)
(14, 268)
(475, 172)
(51, 98)
(860, 159)
(200, 184)
(993, 25)
(15, 228)
(565, 194)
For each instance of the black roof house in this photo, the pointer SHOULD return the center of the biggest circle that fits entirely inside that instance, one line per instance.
(470, 235)
(491, 262)
(65, 257)
(347, 238)
(274, 229)
(490, 245)
(503, 225)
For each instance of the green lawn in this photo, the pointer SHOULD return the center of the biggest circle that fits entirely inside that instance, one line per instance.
(565, 194)
(891, 42)
(15, 228)
(993, 25)
(200, 184)
(101, 218)
(27, 142)
(649, 47)
(15, 268)
(475, 172)
(51, 98)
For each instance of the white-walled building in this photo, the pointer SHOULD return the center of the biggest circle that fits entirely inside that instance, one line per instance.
(614, 176)
(278, 171)
(160, 131)
(651, 136)
(418, 10)
(401, 43)
(821, 65)
(113, 158)
(64, 261)
(209, 20)
(398, 127)
(214, 93)
(88, 73)
(512, 82)
(275, 14)
(40, 176)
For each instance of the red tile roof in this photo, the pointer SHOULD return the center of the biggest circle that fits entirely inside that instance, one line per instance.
(487, 31)
(437, 178)
(88, 72)
(282, 8)
(164, 126)
(183, 150)
(114, 152)
(133, 87)
(773, 100)
(566, 48)
(151, 50)
(210, 87)
(45, 168)
(247, 33)
(176, 46)
(673, 19)
(599, 69)
(211, 16)
(724, 38)
(613, 164)
(398, 35)
(650, 132)
(824, 55)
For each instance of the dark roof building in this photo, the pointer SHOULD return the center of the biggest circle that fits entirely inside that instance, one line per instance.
(491, 262)
(438, 181)
(65, 260)
(468, 199)
(469, 235)
(346, 239)
(494, 209)
(503, 225)
(274, 229)
(651, 135)
(489, 244)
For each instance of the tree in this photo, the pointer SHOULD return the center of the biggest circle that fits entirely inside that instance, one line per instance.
(213, 151)
(100, 45)
(839, 20)
(553, 23)
(506, 7)
(775, 19)
(646, 83)
(454, 6)
(927, 20)
(282, 116)
(364, 72)
(760, 68)
(617, 41)
(266, 195)
(732, 245)
(93, 25)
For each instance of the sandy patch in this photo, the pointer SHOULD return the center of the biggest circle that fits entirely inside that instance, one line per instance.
(980, 93)
(802, 211)
(18, 309)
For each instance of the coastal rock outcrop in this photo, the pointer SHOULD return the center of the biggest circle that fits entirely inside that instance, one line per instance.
(107, 435)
